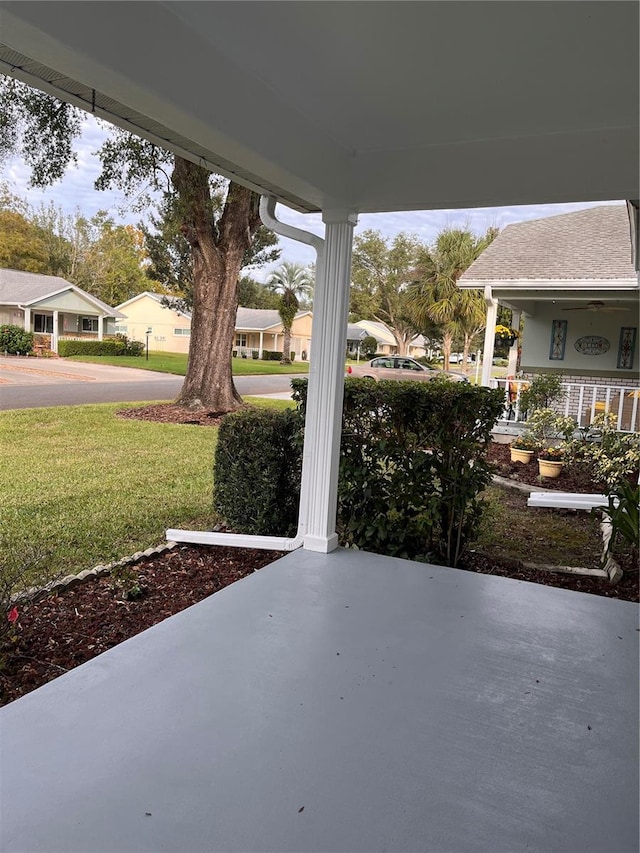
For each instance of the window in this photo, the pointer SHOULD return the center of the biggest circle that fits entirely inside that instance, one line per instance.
(382, 362)
(121, 330)
(89, 324)
(241, 340)
(43, 323)
(185, 332)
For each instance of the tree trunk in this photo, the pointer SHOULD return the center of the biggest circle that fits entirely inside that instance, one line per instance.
(217, 261)
(447, 343)
(465, 351)
(286, 346)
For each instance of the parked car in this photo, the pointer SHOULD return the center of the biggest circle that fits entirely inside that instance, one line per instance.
(400, 367)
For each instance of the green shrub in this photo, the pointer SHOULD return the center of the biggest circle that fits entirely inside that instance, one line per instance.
(272, 355)
(129, 347)
(257, 471)
(544, 390)
(14, 340)
(413, 462)
(255, 353)
(368, 346)
(624, 514)
(69, 348)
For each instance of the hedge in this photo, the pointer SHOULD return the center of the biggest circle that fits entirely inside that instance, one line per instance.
(412, 466)
(14, 340)
(272, 355)
(121, 345)
(257, 471)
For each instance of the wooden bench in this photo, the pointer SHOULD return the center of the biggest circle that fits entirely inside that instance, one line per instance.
(567, 500)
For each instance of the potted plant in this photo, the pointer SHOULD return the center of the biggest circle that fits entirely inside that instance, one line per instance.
(523, 448)
(504, 336)
(550, 461)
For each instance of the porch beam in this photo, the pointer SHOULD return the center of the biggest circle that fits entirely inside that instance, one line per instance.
(27, 319)
(319, 487)
(100, 328)
(260, 348)
(513, 350)
(489, 335)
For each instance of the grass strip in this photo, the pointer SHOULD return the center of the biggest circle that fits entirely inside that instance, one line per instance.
(176, 363)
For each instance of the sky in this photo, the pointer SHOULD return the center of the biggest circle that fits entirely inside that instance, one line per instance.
(76, 192)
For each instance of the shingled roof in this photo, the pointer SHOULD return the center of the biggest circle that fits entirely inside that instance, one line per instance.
(591, 244)
(23, 288)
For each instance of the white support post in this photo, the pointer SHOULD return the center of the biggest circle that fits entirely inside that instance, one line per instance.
(513, 351)
(489, 336)
(100, 328)
(261, 347)
(54, 336)
(27, 319)
(319, 487)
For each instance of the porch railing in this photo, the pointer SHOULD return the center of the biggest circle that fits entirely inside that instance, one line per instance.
(582, 401)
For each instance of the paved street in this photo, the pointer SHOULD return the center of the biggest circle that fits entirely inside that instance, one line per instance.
(28, 382)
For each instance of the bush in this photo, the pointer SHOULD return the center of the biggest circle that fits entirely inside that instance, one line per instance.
(69, 348)
(613, 457)
(254, 353)
(129, 347)
(14, 339)
(272, 355)
(544, 390)
(368, 347)
(257, 471)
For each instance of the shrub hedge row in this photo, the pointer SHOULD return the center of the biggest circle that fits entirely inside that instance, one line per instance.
(14, 340)
(118, 346)
(413, 464)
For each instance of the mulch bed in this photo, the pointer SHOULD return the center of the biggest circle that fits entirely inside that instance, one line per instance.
(572, 478)
(59, 632)
(167, 413)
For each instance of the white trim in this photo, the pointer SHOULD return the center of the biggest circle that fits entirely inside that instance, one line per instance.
(98, 303)
(578, 284)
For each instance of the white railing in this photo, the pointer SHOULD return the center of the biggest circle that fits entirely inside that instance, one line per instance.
(582, 401)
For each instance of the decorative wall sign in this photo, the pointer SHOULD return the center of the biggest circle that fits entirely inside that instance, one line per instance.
(626, 347)
(592, 345)
(558, 340)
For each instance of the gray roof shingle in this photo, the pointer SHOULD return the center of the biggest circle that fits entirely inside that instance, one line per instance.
(18, 287)
(591, 244)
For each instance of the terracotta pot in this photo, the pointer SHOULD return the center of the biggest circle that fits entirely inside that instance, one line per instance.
(520, 455)
(549, 468)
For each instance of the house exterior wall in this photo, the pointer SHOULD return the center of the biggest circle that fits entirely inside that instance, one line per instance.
(145, 313)
(66, 301)
(537, 340)
(11, 315)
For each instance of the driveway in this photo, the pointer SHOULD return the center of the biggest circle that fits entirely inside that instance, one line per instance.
(28, 383)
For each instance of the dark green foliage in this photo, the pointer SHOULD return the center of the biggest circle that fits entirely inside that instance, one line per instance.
(14, 339)
(272, 355)
(69, 348)
(368, 346)
(257, 471)
(624, 514)
(412, 465)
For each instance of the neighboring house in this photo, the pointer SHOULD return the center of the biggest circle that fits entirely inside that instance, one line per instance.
(53, 308)
(573, 278)
(386, 342)
(169, 330)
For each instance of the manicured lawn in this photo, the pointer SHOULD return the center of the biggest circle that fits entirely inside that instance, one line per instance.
(87, 487)
(170, 362)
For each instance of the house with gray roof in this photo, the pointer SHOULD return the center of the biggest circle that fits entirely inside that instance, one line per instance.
(257, 329)
(573, 279)
(53, 308)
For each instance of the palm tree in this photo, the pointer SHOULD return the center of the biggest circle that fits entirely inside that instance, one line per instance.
(435, 295)
(291, 281)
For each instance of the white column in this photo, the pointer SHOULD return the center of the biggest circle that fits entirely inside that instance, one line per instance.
(54, 336)
(100, 328)
(275, 342)
(261, 345)
(27, 319)
(319, 489)
(513, 351)
(489, 336)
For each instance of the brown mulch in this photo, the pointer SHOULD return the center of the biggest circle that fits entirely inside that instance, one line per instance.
(571, 479)
(58, 633)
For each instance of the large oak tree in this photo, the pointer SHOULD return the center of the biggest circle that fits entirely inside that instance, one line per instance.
(218, 219)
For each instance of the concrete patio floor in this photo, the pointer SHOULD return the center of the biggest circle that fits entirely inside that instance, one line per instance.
(341, 702)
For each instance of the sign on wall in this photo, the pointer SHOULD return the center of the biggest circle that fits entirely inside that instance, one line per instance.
(626, 347)
(558, 340)
(592, 345)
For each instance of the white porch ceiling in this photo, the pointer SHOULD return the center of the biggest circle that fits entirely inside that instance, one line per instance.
(371, 106)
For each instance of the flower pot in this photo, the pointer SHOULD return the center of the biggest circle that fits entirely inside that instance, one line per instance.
(549, 468)
(520, 455)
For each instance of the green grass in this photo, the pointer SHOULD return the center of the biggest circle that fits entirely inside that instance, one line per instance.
(172, 362)
(511, 529)
(87, 487)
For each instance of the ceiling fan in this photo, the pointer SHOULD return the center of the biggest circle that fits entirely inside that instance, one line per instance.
(595, 305)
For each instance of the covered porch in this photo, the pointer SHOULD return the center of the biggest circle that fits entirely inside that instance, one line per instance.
(338, 700)
(341, 702)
